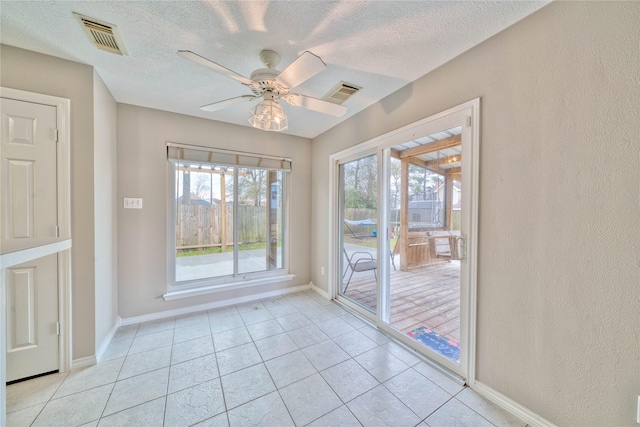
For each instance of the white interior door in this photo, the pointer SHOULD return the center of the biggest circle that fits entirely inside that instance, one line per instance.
(32, 316)
(29, 184)
(28, 218)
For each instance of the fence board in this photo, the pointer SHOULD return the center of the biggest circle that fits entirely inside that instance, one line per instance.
(199, 225)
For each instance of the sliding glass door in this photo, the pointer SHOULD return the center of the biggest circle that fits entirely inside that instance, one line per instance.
(358, 235)
(406, 233)
(424, 187)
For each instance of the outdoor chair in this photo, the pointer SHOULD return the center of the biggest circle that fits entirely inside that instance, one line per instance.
(394, 253)
(358, 262)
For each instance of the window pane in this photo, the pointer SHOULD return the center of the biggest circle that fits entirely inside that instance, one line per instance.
(260, 219)
(204, 221)
(426, 199)
(359, 237)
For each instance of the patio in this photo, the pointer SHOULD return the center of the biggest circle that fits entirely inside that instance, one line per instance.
(428, 296)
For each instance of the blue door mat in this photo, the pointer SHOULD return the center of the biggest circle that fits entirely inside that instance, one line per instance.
(436, 342)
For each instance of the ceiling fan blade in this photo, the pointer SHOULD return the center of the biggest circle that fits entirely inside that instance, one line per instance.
(303, 68)
(315, 104)
(201, 60)
(227, 102)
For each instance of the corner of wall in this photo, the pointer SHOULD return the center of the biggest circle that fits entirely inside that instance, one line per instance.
(35, 72)
(102, 348)
(105, 211)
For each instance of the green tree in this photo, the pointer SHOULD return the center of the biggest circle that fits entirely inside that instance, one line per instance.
(251, 185)
(395, 187)
(423, 183)
(361, 183)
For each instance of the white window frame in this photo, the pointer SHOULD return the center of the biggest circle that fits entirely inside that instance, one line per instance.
(191, 288)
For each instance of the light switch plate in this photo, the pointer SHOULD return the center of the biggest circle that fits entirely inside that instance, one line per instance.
(132, 203)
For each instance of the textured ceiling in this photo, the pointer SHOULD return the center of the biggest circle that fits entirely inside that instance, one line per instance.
(380, 46)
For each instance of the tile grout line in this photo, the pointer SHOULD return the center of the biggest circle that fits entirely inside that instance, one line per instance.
(133, 376)
(277, 390)
(293, 304)
(479, 414)
(166, 395)
(224, 399)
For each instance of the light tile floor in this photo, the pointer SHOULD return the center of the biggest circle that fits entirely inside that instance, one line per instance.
(294, 360)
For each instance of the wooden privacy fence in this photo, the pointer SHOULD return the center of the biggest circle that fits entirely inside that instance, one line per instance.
(200, 226)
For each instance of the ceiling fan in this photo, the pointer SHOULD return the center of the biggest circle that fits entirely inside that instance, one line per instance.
(272, 85)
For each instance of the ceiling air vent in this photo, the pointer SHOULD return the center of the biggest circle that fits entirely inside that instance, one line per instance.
(341, 92)
(102, 34)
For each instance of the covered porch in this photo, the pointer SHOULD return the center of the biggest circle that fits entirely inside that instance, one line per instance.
(423, 297)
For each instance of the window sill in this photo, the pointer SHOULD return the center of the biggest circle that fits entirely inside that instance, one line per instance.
(204, 290)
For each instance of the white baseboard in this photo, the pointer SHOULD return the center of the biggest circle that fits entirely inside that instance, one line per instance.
(107, 340)
(511, 406)
(216, 304)
(320, 291)
(83, 362)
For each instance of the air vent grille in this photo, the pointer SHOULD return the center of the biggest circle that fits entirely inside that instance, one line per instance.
(102, 35)
(341, 92)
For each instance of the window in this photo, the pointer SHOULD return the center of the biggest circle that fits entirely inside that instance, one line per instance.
(227, 216)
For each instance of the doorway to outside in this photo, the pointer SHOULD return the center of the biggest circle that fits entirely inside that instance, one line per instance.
(405, 230)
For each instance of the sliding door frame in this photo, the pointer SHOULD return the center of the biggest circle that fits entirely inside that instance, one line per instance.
(335, 260)
(468, 116)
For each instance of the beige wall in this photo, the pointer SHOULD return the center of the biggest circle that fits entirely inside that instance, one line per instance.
(559, 258)
(34, 72)
(105, 179)
(558, 322)
(142, 234)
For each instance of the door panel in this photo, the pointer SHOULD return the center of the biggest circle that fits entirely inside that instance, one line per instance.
(21, 215)
(32, 316)
(29, 177)
(29, 218)
(424, 205)
(21, 321)
(358, 239)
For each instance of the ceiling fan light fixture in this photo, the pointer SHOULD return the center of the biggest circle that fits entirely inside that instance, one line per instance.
(269, 115)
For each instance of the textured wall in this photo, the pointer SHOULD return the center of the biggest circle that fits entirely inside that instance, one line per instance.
(558, 324)
(142, 234)
(105, 179)
(34, 72)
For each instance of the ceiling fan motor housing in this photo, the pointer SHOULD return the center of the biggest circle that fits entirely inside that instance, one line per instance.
(264, 79)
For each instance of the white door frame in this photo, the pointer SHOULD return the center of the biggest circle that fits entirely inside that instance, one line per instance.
(467, 114)
(60, 245)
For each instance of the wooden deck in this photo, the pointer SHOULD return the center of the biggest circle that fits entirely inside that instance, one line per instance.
(429, 296)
